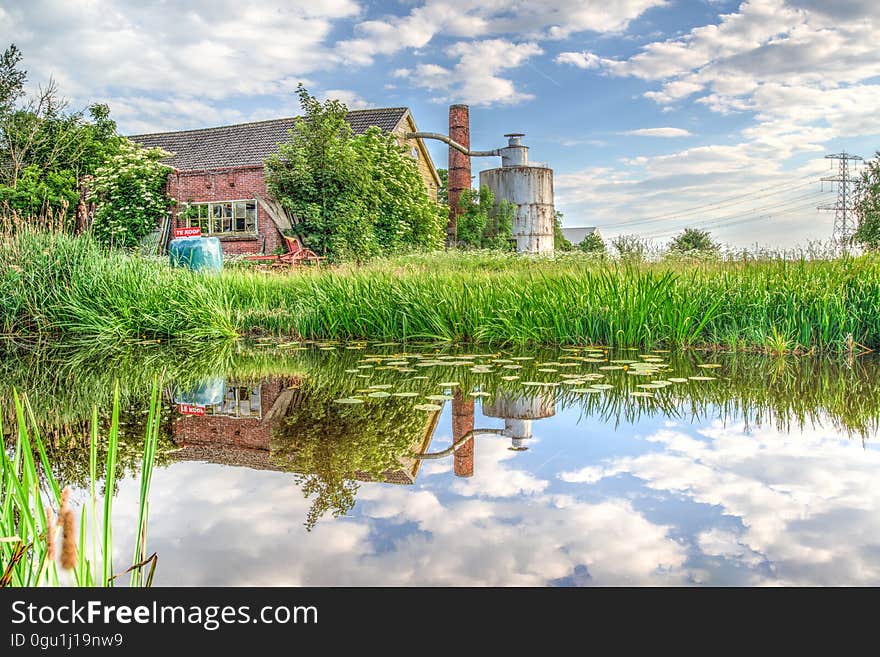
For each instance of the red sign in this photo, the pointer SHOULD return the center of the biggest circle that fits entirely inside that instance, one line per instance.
(190, 409)
(195, 231)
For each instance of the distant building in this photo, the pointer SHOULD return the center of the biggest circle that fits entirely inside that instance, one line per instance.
(218, 175)
(578, 234)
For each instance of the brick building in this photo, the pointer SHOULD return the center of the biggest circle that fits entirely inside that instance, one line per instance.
(218, 175)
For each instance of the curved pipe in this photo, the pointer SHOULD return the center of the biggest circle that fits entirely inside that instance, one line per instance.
(452, 144)
(457, 444)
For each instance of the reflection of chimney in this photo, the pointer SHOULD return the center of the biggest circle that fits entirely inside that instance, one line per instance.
(459, 174)
(462, 423)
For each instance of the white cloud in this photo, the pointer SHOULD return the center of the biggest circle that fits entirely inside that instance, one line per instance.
(802, 70)
(475, 78)
(660, 132)
(244, 527)
(471, 19)
(351, 98)
(794, 492)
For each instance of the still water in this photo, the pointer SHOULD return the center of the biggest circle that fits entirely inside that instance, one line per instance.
(388, 464)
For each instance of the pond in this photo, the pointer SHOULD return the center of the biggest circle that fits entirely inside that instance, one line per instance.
(419, 464)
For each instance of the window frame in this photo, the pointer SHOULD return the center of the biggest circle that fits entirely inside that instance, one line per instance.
(213, 216)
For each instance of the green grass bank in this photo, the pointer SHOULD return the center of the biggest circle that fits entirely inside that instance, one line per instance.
(62, 285)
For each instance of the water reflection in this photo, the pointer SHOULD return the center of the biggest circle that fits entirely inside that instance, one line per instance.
(757, 471)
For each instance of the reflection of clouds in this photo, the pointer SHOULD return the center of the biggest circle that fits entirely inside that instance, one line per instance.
(495, 477)
(234, 526)
(807, 500)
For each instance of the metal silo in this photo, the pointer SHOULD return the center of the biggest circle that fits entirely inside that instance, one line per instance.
(530, 190)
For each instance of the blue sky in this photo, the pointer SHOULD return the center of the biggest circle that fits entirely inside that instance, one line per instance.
(654, 114)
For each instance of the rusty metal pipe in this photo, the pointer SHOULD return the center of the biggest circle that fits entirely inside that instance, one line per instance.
(453, 144)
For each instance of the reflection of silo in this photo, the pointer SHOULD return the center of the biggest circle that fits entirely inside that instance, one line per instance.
(518, 411)
(530, 190)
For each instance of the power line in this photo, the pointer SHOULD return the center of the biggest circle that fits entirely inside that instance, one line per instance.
(844, 209)
(778, 206)
(732, 200)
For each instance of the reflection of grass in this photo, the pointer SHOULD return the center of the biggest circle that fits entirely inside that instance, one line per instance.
(52, 284)
(31, 499)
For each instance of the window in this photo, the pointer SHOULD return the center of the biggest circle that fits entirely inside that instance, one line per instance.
(222, 218)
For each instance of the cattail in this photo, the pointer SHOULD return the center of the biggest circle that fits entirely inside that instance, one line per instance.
(68, 540)
(65, 499)
(50, 534)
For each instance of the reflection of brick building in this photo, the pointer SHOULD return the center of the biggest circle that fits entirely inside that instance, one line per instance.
(235, 429)
(228, 439)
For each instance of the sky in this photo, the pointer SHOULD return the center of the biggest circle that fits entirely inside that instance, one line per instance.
(654, 114)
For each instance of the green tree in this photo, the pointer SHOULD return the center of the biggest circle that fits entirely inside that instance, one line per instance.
(630, 247)
(868, 206)
(482, 225)
(693, 241)
(130, 194)
(592, 243)
(46, 151)
(560, 242)
(350, 197)
(443, 190)
(12, 78)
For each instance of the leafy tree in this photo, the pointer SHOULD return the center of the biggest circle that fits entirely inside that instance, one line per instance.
(350, 197)
(482, 225)
(630, 247)
(130, 194)
(693, 241)
(46, 151)
(443, 190)
(868, 206)
(592, 243)
(11, 78)
(560, 242)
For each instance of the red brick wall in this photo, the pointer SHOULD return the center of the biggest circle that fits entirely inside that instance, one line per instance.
(228, 185)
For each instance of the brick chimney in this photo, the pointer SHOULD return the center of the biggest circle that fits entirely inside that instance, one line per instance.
(459, 165)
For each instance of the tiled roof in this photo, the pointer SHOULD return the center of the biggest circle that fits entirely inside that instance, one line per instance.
(248, 143)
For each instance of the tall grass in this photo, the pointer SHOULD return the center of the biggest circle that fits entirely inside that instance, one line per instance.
(31, 497)
(65, 285)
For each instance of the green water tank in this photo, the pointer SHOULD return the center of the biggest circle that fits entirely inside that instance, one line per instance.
(196, 253)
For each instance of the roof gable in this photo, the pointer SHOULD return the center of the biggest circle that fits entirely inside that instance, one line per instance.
(248, 144)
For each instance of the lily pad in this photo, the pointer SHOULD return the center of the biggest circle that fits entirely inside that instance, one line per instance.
(404, 394)
(381, 386)
(439, 397)
(702, 378)
(641, 394)
(348, 400)
(379, 394)
(427, 407)
(586, 391)
(709, 366)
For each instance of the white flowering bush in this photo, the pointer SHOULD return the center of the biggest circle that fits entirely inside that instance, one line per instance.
(129, 191)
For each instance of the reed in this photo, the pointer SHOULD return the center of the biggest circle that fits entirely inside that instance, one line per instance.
(30, 495)
(60, 285)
